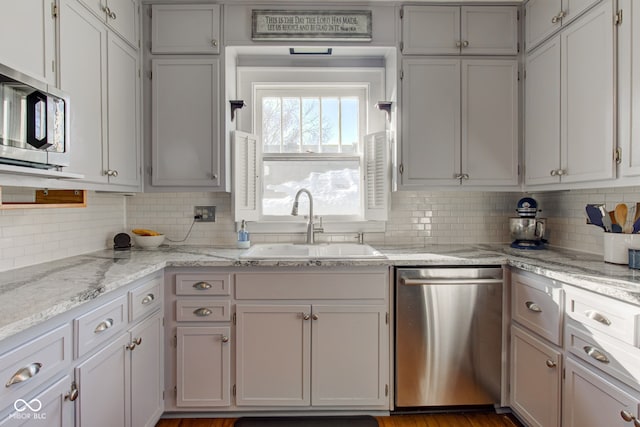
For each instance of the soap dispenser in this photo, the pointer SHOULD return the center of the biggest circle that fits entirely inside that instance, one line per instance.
(243, 236)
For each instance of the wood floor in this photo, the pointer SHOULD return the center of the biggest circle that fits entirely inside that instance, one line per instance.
(431, 420)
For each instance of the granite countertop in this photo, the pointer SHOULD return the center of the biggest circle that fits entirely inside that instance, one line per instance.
(34, 294)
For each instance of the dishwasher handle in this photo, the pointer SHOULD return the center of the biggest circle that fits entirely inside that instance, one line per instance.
(466, 281)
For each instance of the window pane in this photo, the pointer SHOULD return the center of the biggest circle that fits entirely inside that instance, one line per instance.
(334, 184)
(310, 124)
(291, 125)
(330, 125)
(349, 130)
(271, 124)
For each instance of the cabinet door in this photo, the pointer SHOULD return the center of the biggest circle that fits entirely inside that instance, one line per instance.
(146, 372)
(431, 30)
(185, 28)
(542, 114)
(83, 73)
(123, 118)
(629, 87)
(105, 388)
(273, 355)
(203, 374)
(28, 35)
(185, 123)
(490, 122)
(536, 371)
(123, 18)
(592, 401)
(349, 361)
(588, 101)
(46, 408)
(489, 30)
(430, 122)
(572, 9)
(540, 22)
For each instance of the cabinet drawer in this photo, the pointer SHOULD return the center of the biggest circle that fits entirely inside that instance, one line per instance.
(24, 369)
(203, 284)
(614, 318)
(145, 298)
(537, 304)
(203, 310)
(344, 285)
(99, 325)
(616, 358)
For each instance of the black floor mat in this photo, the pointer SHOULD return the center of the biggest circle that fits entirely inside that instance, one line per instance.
(347, 421)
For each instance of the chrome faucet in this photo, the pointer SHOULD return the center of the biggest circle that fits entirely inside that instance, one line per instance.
(311, 230)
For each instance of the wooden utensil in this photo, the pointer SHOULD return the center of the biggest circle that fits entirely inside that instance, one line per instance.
(621, 215)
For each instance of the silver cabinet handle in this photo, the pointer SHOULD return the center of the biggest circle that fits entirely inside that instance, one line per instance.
(24, 374)
(138, 340)
(214, 176)
(106, 9)
(627, 416)
(600, 318)
(596, 354)
(533, 306)
(225, 338)
(554, 172)
(111, 172)
(202, 286)
(465, 176)
(315, 316)
(561, 172)
(202, 312)
(130, 346)
(550, 363)
(306, 316)
(103, 326)
(214, 42)
(458, 43)
(112, 15)
(73, 393)
(148, 299)
(465, 43)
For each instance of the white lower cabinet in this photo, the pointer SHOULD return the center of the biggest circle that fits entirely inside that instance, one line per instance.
(121, 384)
(50, 407)
(590, 400)
(318, 355)
(203, 366)
(536, 378)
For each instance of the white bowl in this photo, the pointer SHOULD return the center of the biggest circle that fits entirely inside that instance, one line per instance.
(148, 242)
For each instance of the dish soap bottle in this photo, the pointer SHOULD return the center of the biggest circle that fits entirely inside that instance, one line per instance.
(243, 236)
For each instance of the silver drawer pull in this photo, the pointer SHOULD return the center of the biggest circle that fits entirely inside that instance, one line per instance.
(627, 416)
(225, 338)
(148, 299)
(550, 363)
(73, 393)
(533, 306)
(596, 354)
(24, 374)
(202, 312)
(103, 326)
(594, 315)
(202, 286)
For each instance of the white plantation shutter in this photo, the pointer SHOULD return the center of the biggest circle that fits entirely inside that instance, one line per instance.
(246, 175)
(376, 176)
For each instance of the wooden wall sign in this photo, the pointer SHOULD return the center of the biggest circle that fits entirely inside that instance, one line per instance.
(352, 25)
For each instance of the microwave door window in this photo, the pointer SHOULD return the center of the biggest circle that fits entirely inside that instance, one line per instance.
(37, 120)
(13, 131)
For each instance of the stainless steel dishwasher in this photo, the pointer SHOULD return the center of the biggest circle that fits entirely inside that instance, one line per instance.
(448, 336)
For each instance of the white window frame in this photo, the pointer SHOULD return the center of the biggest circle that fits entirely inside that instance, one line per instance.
(374, 148)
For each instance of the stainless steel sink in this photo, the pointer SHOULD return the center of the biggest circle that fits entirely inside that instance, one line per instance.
(317, 251)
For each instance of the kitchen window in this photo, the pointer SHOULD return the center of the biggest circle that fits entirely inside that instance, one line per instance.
(311, 135)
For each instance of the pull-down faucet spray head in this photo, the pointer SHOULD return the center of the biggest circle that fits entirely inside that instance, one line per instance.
(294, 209)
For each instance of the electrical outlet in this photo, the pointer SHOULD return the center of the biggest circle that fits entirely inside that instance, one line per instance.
(205, 213)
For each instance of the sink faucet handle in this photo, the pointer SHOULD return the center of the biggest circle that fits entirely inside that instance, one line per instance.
(360, 237)
(319, 229)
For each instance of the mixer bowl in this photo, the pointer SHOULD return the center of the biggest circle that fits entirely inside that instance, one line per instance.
(527, 228)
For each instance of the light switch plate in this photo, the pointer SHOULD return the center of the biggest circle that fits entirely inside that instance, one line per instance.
(205, 213)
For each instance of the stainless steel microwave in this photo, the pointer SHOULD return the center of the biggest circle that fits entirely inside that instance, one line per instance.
(34, 122)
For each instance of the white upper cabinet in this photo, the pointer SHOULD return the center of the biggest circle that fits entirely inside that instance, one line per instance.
(459, 122)
(120, 15)
(185, 123)
(629, 88)
(580, 92)
(29, 38)
(185, 29)
(101, 74)
(453, 30)
(544, 17)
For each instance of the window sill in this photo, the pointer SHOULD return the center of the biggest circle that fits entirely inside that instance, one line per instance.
(265, 227)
